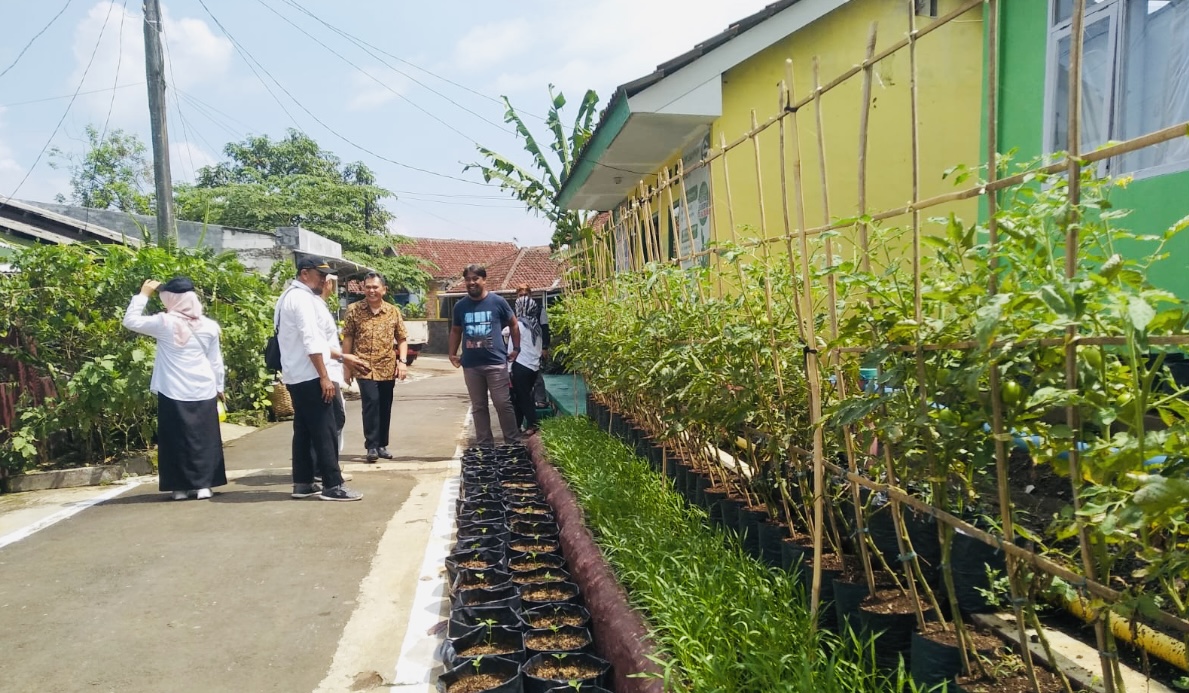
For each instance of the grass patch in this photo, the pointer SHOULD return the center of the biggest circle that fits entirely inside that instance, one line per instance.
(722, 622)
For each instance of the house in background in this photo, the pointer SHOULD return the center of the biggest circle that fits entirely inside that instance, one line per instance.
(28, 223)
(508, 266)
(1136, 81)
(691, 103)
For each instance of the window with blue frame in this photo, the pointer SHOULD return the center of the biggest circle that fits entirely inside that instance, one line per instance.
(1135, 79)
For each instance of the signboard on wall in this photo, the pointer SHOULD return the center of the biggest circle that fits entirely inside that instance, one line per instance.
(693, 230)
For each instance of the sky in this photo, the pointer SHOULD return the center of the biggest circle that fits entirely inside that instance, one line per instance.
(408, 88)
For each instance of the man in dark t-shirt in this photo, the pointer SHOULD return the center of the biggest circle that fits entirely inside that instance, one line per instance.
(476, 327)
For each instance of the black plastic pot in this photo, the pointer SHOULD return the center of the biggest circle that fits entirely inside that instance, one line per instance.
(893, 635)
(847, 596)
(532, 649)
(529, 527)
(969, 560)
(482, 530)
(575, 614)
(517, 556)
(934, 662)
(491, 559)
(506, 669)
(480, 543)
(730, 508)
(570, 591)
(529, 509)
(540, 575)
(680, 475)
(505, 595)
(771, 536)
(464, 619)
(549, 560)
(470, 578)
(713, 500)
(538, 680)
(584, 689)
(697, 484)
(792, 556)
(531, 546)
(749, 530)
(509, 641)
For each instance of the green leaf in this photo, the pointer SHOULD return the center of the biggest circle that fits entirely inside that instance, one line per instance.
(1139, 312)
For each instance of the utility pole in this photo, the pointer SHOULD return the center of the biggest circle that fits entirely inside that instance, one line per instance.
(155, 73)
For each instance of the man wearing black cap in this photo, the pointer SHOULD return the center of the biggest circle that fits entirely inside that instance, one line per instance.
(306, 345)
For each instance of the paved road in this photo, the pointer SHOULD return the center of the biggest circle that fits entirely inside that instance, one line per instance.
(251, 591)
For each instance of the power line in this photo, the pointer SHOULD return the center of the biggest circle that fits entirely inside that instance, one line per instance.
(438, 216)
(230, 118)
(181, 116)
(234, 134)
(111, 104)
(65, 113)
(244, 52)
(67, 96)
(38, 35)
(389, 88)
(365, 46)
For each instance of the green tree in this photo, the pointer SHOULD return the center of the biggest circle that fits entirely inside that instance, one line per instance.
(292, 181)
(539, 191)
(115, 173)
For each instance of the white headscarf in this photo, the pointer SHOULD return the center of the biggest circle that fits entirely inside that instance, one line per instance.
(186, 310)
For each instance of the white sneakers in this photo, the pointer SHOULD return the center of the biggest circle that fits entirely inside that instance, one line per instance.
(201, 494)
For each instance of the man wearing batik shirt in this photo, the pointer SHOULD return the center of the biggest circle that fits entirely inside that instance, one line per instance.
(375, 332)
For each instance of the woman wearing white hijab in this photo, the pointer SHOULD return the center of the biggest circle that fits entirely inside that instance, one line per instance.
(188, 381)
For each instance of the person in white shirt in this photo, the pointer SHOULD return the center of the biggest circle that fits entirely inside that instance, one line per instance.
(308, 342)
(188, 381)
(526, 367)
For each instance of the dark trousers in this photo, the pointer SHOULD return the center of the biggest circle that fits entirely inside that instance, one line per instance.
(376, 397)
(523, 381)
(315, 435)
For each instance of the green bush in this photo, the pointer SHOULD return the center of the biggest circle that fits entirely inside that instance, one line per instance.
(61, 312)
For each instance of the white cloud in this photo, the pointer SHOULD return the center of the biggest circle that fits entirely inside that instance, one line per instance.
(42, 185)
(591, 45)
(194, 55)
(185, 158)
(492, 44)
(369, 93)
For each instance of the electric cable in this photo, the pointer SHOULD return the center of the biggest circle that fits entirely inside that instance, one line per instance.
(389, 88)
(37, 36)
(171, 78)
(67, 96)
(243, 51)
(65, 113)
(111, 104)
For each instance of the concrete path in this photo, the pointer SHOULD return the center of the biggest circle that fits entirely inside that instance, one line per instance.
(252, 590)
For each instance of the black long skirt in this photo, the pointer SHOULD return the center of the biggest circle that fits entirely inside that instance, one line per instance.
(189, 445)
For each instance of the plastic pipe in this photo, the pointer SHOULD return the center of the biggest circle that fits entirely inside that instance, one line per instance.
(1147, 639)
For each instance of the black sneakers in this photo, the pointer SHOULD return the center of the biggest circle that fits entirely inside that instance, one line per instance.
(305, 490)
(340, 493)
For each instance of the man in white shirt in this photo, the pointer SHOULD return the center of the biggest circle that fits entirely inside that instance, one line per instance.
(308, 343)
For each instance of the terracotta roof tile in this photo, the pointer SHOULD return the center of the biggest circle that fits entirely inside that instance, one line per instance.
(534, 266)
(449, 255)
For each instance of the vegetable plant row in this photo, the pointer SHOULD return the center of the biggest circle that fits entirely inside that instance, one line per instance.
(721, 620)
(1034, 363)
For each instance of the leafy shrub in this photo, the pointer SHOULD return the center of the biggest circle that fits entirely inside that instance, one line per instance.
(68, 302)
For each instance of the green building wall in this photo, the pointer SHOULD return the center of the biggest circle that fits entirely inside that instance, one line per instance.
(1157, 202)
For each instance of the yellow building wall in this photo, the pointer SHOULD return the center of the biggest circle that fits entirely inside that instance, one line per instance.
(949, 74)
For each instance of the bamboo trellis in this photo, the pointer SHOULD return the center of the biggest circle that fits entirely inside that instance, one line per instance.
(596, 259)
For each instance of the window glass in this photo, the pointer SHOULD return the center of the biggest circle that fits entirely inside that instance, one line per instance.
(1063, 9)
(1097, 77)
(1154, 88)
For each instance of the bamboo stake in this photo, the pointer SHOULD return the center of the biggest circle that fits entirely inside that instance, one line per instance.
(811, 365)
(726, 179)
(864, 132)
(1072, 225)
(832, 297)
